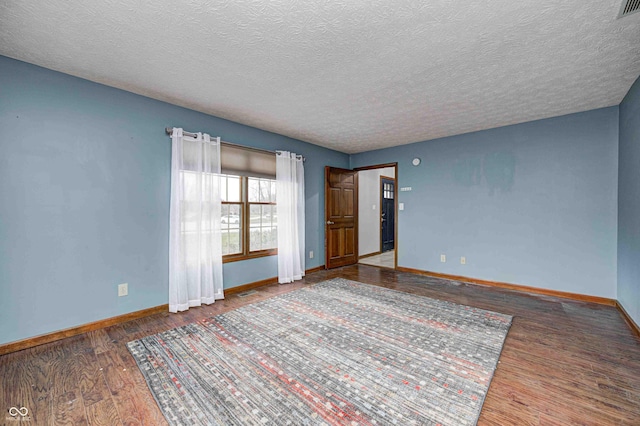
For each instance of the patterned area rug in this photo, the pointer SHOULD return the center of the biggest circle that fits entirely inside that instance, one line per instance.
(335, 353)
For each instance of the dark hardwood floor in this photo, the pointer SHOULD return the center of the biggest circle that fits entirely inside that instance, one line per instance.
(563, 362)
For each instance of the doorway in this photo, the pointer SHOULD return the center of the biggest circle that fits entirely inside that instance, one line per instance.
(353, 216)
(377, 227)
(387, 213)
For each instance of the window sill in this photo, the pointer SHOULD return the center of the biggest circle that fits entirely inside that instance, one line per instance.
(239, 257)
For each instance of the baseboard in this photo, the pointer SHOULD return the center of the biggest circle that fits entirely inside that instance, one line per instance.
(364, 256)
(516, 287)
(256, 284)
(630, 322)
(249, 286)
(108, 322)
(73, 331)
(316, 269)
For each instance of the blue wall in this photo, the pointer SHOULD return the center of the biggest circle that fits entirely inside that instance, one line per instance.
(84, 181)
(629, 204)
(532, 204)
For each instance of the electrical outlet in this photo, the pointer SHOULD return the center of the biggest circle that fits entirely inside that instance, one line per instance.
(443, 258)
(310, 254)
(123, 289)
(463, 260)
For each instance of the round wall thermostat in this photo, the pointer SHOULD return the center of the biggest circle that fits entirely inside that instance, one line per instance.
(415, 161)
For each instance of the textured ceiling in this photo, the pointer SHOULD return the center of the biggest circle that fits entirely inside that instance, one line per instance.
(352, 75)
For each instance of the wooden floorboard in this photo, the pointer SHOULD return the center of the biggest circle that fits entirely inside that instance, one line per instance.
(564, 362)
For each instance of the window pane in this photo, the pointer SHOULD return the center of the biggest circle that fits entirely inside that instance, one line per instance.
(272, 238)
(263, 238)
(254, 190)
(231, 242)
(269, 215)
(265, 190)
(262, 227)
(262, 190)
(223, 188)
(231, 226)
(255, 215)
(231, 216)
(230, 188)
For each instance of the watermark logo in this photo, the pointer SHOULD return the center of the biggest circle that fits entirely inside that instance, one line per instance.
(18, 414)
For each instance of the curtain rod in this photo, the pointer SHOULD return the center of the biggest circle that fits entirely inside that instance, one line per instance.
(169, 131)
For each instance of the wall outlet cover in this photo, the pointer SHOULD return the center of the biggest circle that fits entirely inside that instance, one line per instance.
(123, 289)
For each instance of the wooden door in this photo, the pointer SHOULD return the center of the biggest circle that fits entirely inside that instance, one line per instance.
(341, 217)
(387, 214)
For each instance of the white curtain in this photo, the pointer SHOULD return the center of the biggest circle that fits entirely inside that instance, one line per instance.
(290, 205)
(195, 244)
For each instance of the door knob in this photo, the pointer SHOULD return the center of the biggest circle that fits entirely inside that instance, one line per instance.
(330, 223)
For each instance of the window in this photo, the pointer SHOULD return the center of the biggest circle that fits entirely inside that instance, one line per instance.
(388, 191)
(231, 215)
(249, 218)
(261, 199)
